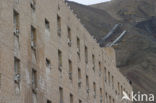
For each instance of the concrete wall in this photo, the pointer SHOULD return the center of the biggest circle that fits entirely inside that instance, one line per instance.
(47, 46)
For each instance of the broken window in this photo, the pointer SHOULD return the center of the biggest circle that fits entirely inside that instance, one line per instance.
(60, 60)
(106, 98)
(101, 92)
(80, 101)
(93, 60)
(34, 81)
(71, 98)
(61, 94)
(79, 77)
(69, 36)
(100, 72)
(109, 78)
(87, 81)
(113, 101)
(33, 8)
(17, 70)
(33, 43)
(48, 64)
(33, 4)
(33, 37)
(101, 100)
(47, 25)
(109, 99)
(59, 25)
(105, 74)
(78, 48)
(16, 23)
(94, 88)
(113, 82)
(87, 84)
(70, 69)
(86, 55)
(16, 32)
(48, 101)
(119, 88)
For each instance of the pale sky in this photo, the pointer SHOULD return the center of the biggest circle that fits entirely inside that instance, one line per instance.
(89, 2)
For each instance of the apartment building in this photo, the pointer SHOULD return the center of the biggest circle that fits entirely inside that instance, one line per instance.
(47, 56)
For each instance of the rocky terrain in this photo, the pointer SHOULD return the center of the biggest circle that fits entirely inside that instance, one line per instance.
(136, 50)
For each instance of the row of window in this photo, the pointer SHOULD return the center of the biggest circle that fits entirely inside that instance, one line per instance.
(34, 81)
(61, 97)
(110, 80)
(109, 99)
(48, 63)
(47, 26)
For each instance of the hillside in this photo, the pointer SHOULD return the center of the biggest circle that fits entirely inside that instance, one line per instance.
(129, 10)
(136, 50)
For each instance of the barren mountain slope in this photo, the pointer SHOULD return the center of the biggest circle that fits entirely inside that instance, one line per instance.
(129, 10)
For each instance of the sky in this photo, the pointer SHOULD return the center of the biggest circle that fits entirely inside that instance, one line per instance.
(89, 2)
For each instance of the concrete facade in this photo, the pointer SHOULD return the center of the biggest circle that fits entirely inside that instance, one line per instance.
(46, 55)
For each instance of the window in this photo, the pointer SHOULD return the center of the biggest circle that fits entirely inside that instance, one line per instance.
(87, 84)
(79, 77)
(109, 99)
(16, 32)
(80, 101)
(71, 98)
(113, 101)
(109, 78)
(101, 100)
(87, 81)
(70, 69)
(59, 25)
(48, 101)
(33, 43)
(48, 64)
(113, 82)
(119, 88)
(16, 23)
(94, 88)
(100, 69)
(61, 94)
(101, 92)
(33, 38)
(106, 98)
(105, 74)
(17, 70)
(86, 54)
(34, 81)
(78, 43)
(69, 36)
(47, 25)
(93, 60)
(32, 4)
(60, 60)
(78, 48)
